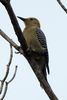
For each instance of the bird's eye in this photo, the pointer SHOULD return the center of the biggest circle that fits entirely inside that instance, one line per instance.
(31, 18)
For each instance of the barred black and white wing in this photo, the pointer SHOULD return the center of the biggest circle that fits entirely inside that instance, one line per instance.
(42, 39)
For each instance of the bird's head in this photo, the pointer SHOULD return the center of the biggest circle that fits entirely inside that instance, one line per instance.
(30, 22)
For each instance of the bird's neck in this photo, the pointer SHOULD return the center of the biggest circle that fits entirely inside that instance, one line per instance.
(32, 26)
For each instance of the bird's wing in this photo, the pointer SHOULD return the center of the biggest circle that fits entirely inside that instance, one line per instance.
(42, 39)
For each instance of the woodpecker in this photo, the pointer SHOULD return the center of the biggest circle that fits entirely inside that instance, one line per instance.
(36, 42)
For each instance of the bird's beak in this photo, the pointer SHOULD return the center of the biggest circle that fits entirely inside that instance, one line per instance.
(23, 19)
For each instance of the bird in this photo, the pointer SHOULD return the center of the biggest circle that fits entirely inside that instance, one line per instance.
(36, 42)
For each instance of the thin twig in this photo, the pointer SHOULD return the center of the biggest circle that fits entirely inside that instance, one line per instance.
(5, 91)
(13, 75)
(9, 63)
(7, 69)
(63, 7)
(1, 87)
(11, 41)
(7, 83)
(11, 56)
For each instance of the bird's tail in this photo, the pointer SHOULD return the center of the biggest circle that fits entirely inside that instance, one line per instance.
(48, 70)
(45, 70)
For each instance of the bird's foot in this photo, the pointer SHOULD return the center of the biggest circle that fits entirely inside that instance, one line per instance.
(29, 51)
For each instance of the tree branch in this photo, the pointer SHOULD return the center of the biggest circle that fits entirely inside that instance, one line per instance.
(7, 69)
(30, 59)
(5, 91)
(15, 24)
(11, 41)
(7, 83)
(43, 82)
(13, 75)
(62, 6)
(8, 65)
(6, 75)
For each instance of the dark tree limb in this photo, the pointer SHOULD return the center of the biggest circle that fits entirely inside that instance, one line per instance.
(30, 59)
(62, 6)
(15, 24)
(40, 77)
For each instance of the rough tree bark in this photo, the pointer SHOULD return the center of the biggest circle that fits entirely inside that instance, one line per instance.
(23, 44)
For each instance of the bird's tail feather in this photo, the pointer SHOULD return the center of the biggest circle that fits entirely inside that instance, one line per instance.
(48, 70)
(45, 70)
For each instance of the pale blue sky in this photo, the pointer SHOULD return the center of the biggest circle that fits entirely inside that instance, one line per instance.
(54, 25)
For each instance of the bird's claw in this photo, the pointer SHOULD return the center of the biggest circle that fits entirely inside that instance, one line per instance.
(29, 51)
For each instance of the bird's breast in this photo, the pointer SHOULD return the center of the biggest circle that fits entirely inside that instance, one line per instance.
(32, 39)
